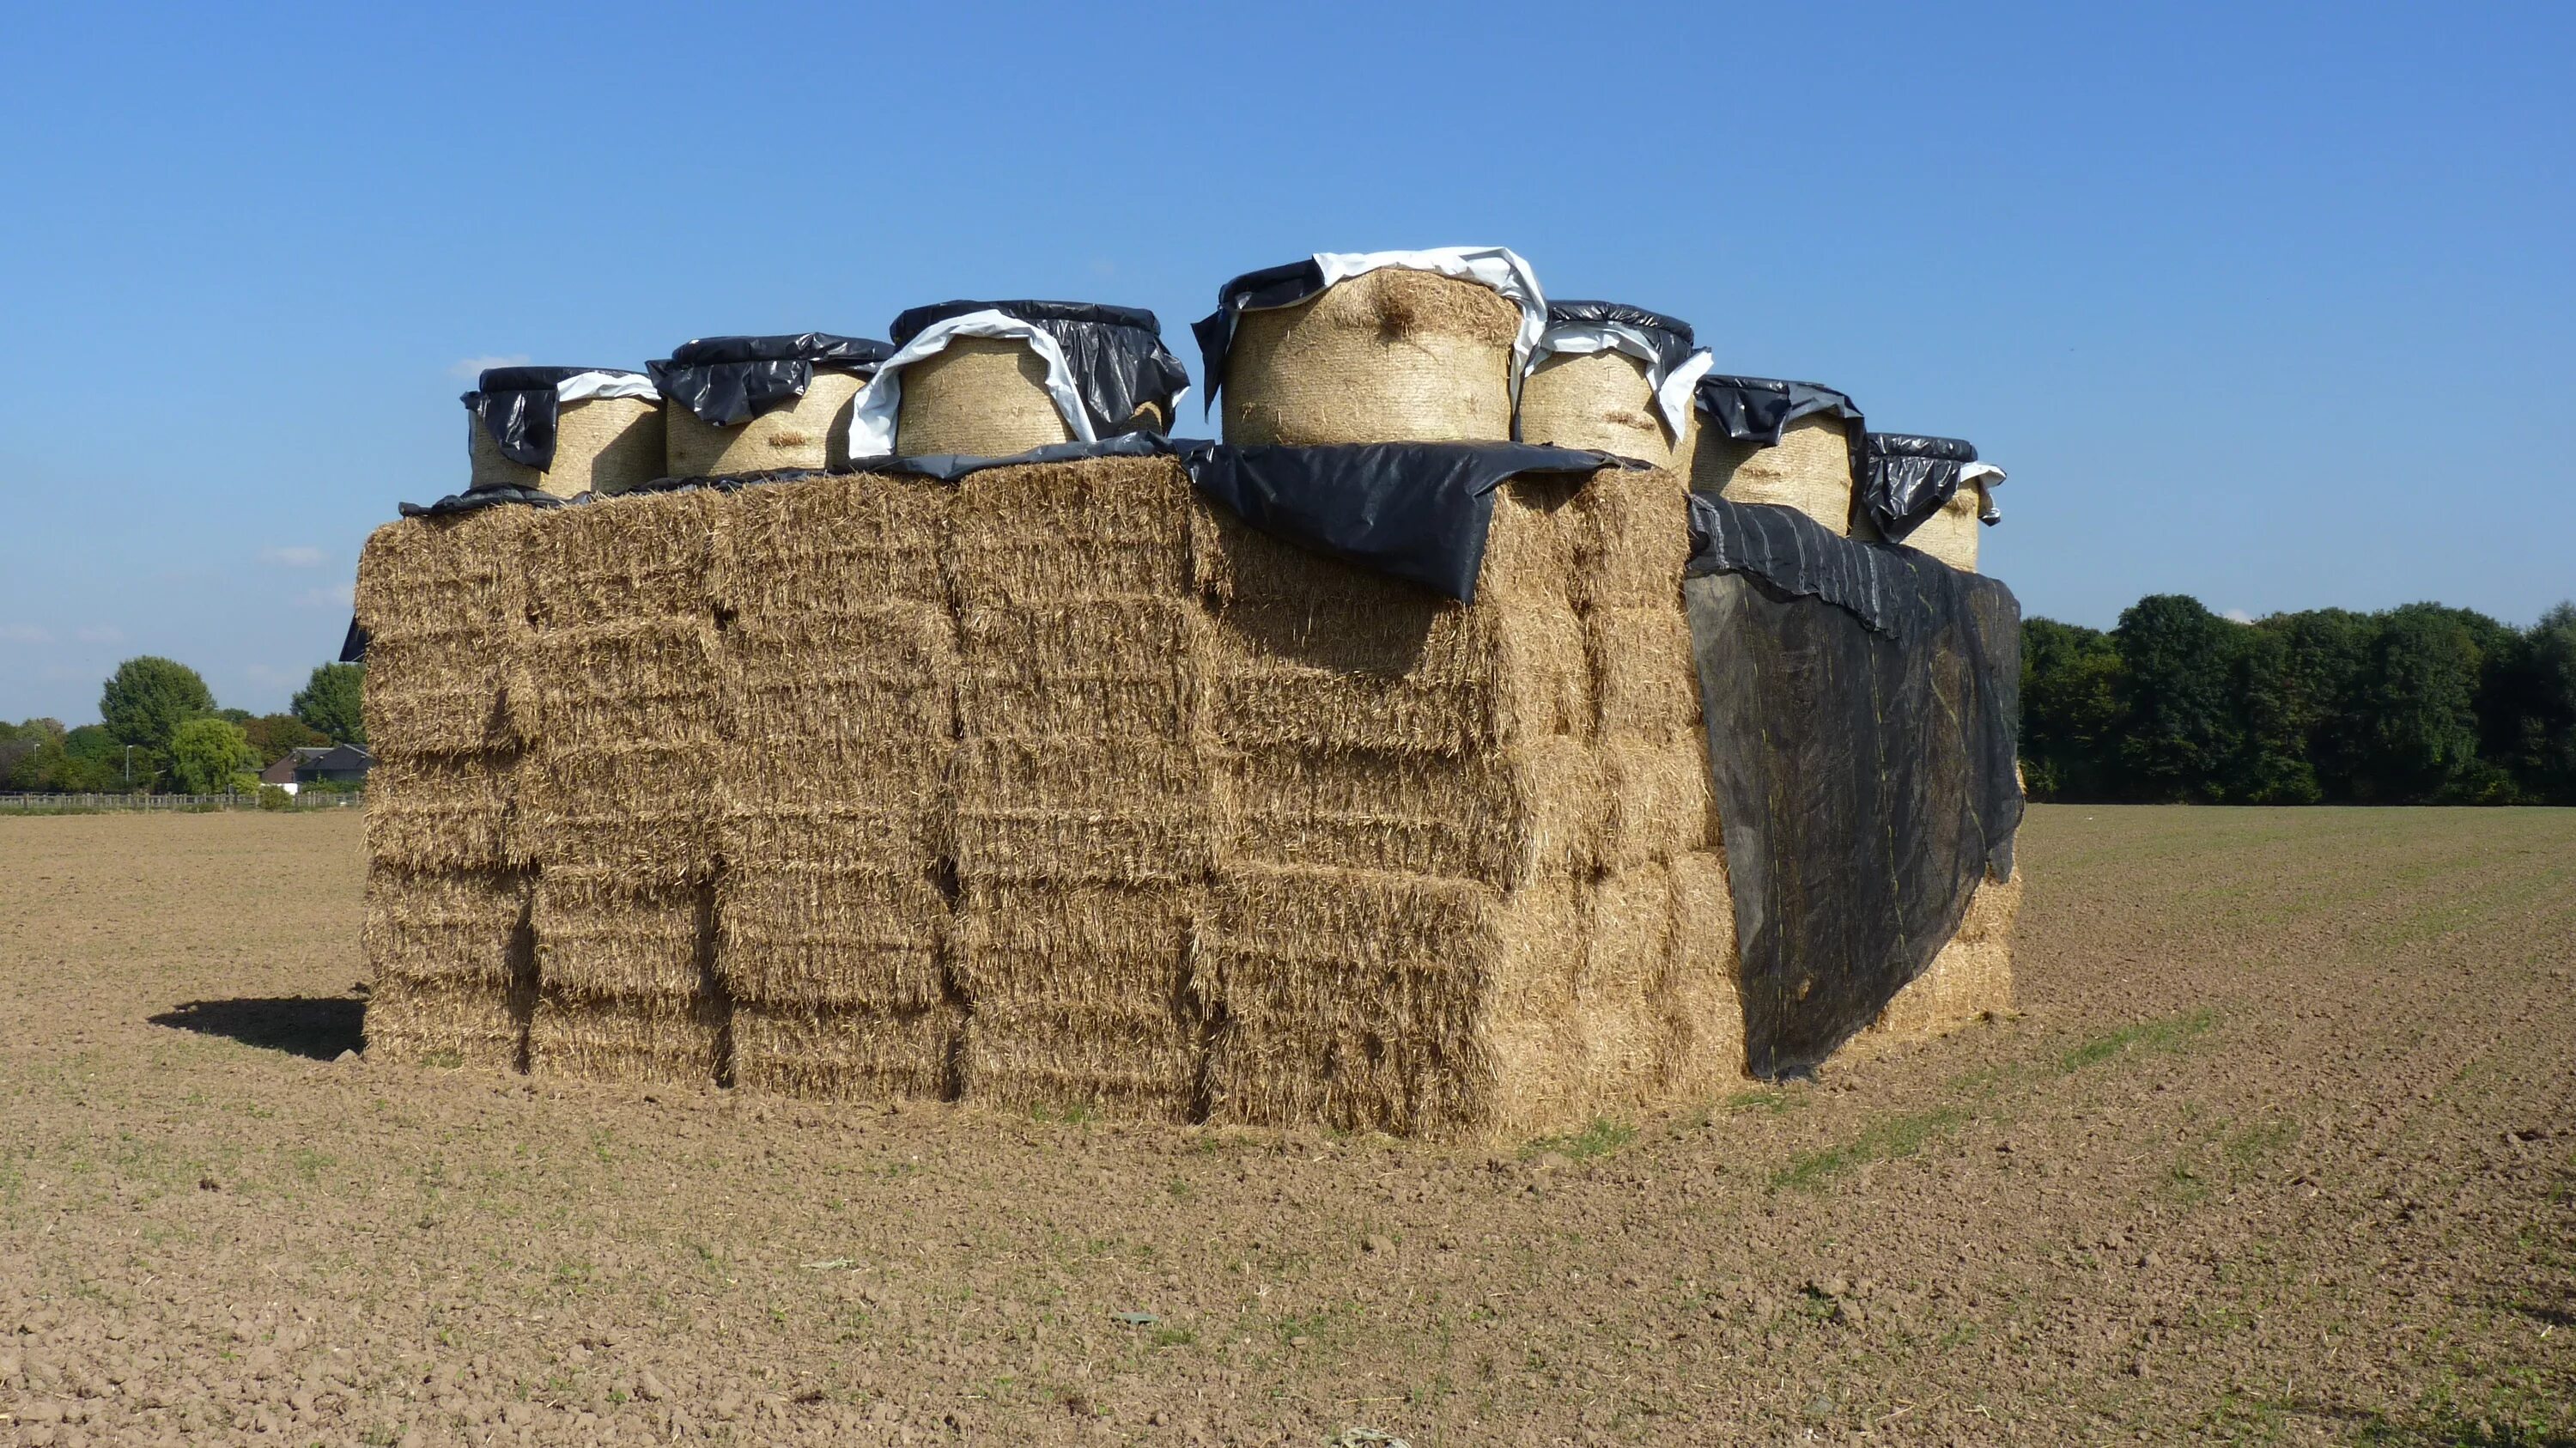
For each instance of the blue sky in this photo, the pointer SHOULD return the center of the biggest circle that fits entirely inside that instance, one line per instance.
(2271, 305)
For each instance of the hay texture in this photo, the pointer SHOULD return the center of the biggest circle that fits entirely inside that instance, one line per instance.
(1630, 535)
(846, 1055)
(623, 560)
(1053, 532)
(1811, 470)
(840, 544)
(1392, 355)
(438, 1023)
(1110, 811)
(603, 445)
(813, 433)
(1082, 994)
(1601, 400)
(444, 602)
(466, 931)
(1503, 818)
(1120, 666)
(830, 939)
(656, 1041)
(1970, 980)
(644, 811)
(439, 812)
(1952, 534)
(978, 396)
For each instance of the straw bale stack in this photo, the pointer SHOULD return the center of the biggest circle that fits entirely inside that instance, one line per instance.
(453, 977)
(812, 433)
(603, 445)
(1703, 1043)
(1971, 979)
(979, 396)
(653, 1041)
(829, 545)
(837, 981)
(846, 1055)
(1630, 532)
(1952, 534)
(1059, 532)
(1391, 355)
(1083, 993)
(429, 812)
(1504, 818)
(1603, 401)
(1810, 470)
(436, 1023)
(631, 558)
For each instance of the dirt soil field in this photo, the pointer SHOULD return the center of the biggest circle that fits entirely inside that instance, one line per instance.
(2284, 1147)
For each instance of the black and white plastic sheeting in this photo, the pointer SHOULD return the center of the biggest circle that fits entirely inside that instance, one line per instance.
(518, 406)
(726, 381)
(1102, 364)
(1673, 366)
(1498, 267)
(1910, 477)
(1758, 409)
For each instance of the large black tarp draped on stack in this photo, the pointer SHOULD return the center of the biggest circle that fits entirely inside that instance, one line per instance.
(1116, 355)
(1861, 702)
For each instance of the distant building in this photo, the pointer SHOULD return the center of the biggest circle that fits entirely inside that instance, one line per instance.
(334, 764)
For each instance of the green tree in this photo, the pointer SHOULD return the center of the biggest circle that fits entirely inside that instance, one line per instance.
(333, 703)
(2179, 724)
(19, 741)
(148, 698)
(274, 736)
(2546, 742)
(2416, 709)
(207, 752)
(2070, 711)
(2272, 764)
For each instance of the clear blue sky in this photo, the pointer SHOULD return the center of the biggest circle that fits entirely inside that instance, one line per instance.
(2271, 305)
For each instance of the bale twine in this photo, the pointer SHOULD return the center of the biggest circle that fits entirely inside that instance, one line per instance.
(1600, 400)
(814, 434)
(1391, 355)
(1810, 470)
(979, 396)
(602, 445)
(1951, 534)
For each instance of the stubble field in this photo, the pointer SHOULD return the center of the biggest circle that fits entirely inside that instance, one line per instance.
(2282, 1147)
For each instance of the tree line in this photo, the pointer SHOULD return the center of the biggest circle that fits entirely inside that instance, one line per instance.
(2415, 705)
(159, 730)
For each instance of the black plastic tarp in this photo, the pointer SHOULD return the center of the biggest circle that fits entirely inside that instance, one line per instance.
(1861, 704)
(477, 499)
(1671, 336)
(517, 407)
(1411, 510)
(1284, 285)
(1116, 355)
(353, 645)
(1906, 479)
(730, 380)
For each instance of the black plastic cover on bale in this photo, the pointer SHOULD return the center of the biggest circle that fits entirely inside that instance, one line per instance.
(518, 406)
(1671, 336)
(1116, 354)
(1862, 702)
(730, 380)
(1758, 409)
(1909, 478)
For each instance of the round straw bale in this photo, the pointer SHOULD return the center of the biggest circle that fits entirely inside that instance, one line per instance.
(1393, 355)
(1810, 470)
(980, 396)
(815, 433)
(1951, 534)
(1600, 400)
(602, 445)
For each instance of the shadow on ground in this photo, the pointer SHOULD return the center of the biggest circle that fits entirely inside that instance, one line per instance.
(319, 1027)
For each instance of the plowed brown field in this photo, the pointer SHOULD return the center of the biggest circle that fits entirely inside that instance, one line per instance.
(2284, 1147)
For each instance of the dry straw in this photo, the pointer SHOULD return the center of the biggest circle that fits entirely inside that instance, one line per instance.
(1811, 470)
(846, 1055)
(1503, 818)
(626, 559)
(1645, 677)
(1970, 979)
(1631, 533)
(634, 679)
(439, 693)
(465, 930)
(979, 396)
(641, 810)
(445, 576)
(813, 433)
(1704, 1041)
(439, 1023)
(1657, 799)
(1952, 534)
(1082, 995)
(1600, 400)
(1430, 676)
(651, 1041)
(1392, 355)
(1619, 1022)
(836, 939)
(833, 804)
(838, 544)
(1530, 556)
(1119, 667)
(434, 812)
(884, 672)
(601, 934)
(1045, 533)
(603, 445)
(1070, 810)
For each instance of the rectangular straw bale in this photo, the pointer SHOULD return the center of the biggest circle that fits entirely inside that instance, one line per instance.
(1619, 1019)
(838, 804)
(1645, 676)
(1632, 539)
(460, 573)
(1082, 995)
(847, 1055)
(1431, 677)
(1104, 666)
(1054, 531)
(631, 681)
(441, 811)
(467, 929)
(438, 692)
(647, 1041)
(600, 935)
(1502, 817)
(447, 1023)
(638, 556)
(1703, 1051)
(1658, 802)
(1372, 1002)
(1530, 556)
(838, 544)
(829, 939)
(1970, 978)
(877, 671)
(646, 811)
(1110, 810)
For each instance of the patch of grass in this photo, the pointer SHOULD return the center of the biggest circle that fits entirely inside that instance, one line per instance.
(1077, 1113)
(2254, 1143)
(2169, 1034)
(1175, 1336)
(1601, 1138)
(1889, 1140)
(1768, 1103)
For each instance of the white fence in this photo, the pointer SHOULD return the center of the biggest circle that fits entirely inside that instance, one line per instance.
(176, 803)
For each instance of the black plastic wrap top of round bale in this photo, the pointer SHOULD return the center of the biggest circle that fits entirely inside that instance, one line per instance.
(1116, 355)
(517, 407)
(1911, 477)
(1756, 409)
(725, 381)
(1909, 445)
(1671, 336)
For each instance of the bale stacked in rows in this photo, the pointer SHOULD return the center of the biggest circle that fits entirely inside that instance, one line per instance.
(1086, 817)
(840, 714)
(615, 689)
(1971, 979)
(444, 603)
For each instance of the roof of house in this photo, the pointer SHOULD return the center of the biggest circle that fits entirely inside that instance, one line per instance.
(306, 759)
